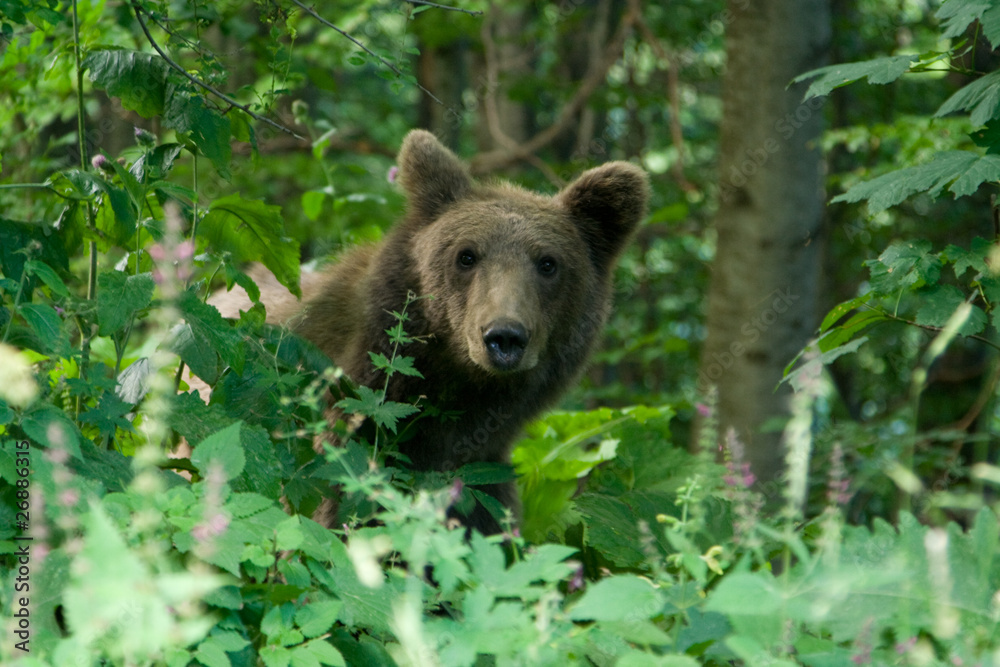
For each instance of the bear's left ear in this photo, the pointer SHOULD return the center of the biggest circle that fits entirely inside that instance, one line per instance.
(607, 203)
(432, 175)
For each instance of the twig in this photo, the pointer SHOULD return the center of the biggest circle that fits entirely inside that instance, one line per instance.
(201, 84)
(495, 159)
(364, 48)
(470, 12)
(673, 93)
(490, 101)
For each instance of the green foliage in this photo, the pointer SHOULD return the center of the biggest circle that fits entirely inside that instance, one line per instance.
(633, 551)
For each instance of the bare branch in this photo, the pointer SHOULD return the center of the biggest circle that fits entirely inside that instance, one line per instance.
(470, 12)
(385, 63)
(201, 84)
(501, 157)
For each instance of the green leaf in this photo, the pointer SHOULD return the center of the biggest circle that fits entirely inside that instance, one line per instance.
(120, 297)
(981, 97)
(325, 652)
(372, 403)
(964, 170)
(208, 327)
(241, 505)
(312, 203)
(252, 232)
(109, 415)
(194, 351)
(223, 448)
(402, 365)
(138, 79)
(965, 259)
(47, 276)
(851, 328)
(210, 654)
(801, 375)
(842, 309)
(207, 129)
(939, 303)
(49, 426)
(46, 324)
(879, 70)
(957, 15)
(904, 264)
(316, 618)
(618, 598)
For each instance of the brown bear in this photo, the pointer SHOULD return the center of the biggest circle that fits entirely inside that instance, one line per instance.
(521, 287)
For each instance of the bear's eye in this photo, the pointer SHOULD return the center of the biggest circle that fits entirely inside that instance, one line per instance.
(466, 259)
(547, 266)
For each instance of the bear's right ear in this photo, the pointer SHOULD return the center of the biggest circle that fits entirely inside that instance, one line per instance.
(433, 177)
(607, 203)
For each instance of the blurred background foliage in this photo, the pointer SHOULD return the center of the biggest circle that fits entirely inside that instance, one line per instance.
(580, 82)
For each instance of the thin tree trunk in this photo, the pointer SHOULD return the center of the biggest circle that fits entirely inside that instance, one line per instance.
(761, 303)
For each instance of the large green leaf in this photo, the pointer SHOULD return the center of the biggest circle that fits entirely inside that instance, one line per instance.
(120, 297)
(252, 231)
(957, 15)
(964, 170)
(982, 97)
(939, 303)
(208, 129)
(619, 598)
(223, 448)
(879, 70)
(138, 79)
(209, 327)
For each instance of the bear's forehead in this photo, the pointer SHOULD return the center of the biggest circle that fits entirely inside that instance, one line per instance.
(534, 222)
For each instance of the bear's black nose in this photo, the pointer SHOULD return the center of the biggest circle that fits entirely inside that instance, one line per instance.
(505, 343)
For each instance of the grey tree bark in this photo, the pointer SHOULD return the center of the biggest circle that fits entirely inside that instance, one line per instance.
(763, 291)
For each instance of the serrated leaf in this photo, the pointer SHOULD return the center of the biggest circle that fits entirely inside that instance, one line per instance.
(877, 71)
(120, 297)
(242, 505)
(939, 303)
(252, 231)
(223, 448)
(196, 352)
(957, 15)
(50, 427)
(981, 97)
(208, 129)
(209, 327)
(317, 618)
(402, 365)
(963, 169)
(325, 652)
(211, 654)
(371, 403)
(974, 258)
(138, 79)
(618, 598)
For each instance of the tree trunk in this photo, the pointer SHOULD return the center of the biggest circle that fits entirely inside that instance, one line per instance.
(763, 291)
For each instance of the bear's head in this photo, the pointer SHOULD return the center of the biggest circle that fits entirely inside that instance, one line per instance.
(513, 272)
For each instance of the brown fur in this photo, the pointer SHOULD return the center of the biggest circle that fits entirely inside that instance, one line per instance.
(505, 336)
